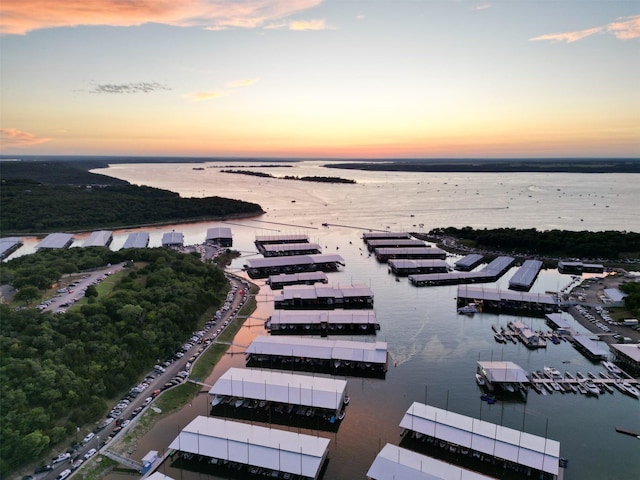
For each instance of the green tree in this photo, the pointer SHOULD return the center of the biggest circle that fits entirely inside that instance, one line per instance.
(27, 294)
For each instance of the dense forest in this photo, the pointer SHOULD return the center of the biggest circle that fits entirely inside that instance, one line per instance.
(553, 243)
(58, 370)
(31, 207)
(632, 300)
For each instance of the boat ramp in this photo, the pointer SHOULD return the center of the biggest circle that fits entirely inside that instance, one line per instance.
(323, 322)
(337, 357)
(490, 273)
(277, 282)
(230, 446)
(320, 296)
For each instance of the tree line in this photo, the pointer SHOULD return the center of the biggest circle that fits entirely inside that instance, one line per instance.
(58, 370)
(553, 243)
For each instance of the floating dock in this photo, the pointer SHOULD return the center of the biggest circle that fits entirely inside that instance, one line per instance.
(369, 236)
(525, 276)
(277, 452)
(384, 254)
(275, 239)
(403, 267)
(395, 243)
(490, 273)
(320, 296)
(276, 282)
(485, 447)
(506, 301)
(284, 249)
(323, 322)
(337, 357)
(469, 262)
(265, 267)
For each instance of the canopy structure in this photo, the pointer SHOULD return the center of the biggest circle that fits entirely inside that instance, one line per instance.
(56, 240)
(525, 275)
(502, 372)
(394, 463)
(172, 239)
(283, 387)
(326, 321)
(521, 448)
(277, 450)
(219, 235)
(324, 296)
(101, 238)
(346, 350)
(137, 240)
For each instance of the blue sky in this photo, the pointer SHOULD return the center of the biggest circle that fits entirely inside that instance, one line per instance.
(313, 78)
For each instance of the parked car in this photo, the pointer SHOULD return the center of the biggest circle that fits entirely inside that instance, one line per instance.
(88, 438)
(63, 474)
(63, 457)
(90, 454)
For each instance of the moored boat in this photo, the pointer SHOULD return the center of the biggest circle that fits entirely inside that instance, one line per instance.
(469, 309)
(480, 380)
(612, 367)
(499, 338)
(630, 389)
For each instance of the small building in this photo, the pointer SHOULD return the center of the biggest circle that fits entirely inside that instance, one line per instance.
(220, 236)
(148, 462)
(172, 239)
(528, 337)
(56, 240)
(558, 323)
(137, 240)
(278, 452)
(396, 463)
(320, 296)
(101, 238)
(615, 297)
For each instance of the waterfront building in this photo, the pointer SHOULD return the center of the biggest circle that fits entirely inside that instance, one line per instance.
(525, 276)
(579, 267)
(506, 301)
(137, 240)
(403, 266)
(627, 355)
(101, 238)
(528, 337)
(220, 236)
(251, 446)
(56, 240)
(172, 239)
(590, 349)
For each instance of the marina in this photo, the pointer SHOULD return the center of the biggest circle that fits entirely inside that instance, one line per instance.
(319, 296)
(489, 273)
(336, 357)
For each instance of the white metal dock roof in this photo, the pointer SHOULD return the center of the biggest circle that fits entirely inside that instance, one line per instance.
(395, 463)
(8, 244)
(294, 237)
(290, 247)
(101, 238)
(507, 443)
(312, 317)
(254, 445)
(369, 352)
(482, 293)
(366, 236)
(172, 238)
(405, 263)
(284, 387)
(218, 232)
(410, 251)
(137, 240)
(558, 320)
(526, 274)
(320, 290)
(592, 347)
(293, 260)
(469, 260)
(55, 240)
(298, 277)
(499, 372)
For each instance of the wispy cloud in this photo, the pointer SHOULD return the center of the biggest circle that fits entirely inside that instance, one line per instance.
(482, 6)
(299, 25)
(22, 16)
(243, 83)
(625, 28)
(120, 88)
(203, 96)
(12, 137)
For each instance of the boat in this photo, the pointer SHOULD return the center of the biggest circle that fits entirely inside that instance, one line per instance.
(490, 399)
(480, 380)
(500, 338)
(509, 387)
(630, 389)
(552, 372)
(468, 309)
(341, 415)
(238, 402)
(556, 386)
(569, 376)
(346, 400)
(217, 400)
(613, 368)
(581, 388)
(591, 388)
(580, 376)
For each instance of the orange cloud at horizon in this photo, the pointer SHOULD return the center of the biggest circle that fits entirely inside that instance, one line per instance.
(20, 17)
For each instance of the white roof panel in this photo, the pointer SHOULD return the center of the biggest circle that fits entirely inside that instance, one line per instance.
(338, 316)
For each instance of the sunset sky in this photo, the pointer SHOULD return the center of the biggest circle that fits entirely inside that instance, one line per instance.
(314, 78)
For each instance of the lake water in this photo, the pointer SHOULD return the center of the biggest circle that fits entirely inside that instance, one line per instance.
(433, 350)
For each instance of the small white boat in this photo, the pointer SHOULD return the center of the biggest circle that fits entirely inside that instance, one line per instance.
(500, 338)
(591, 388)
(238, 402)
(346, 400)
(217, 400)
(613, 368)
(480, 380)
(469, 309)
(630, 389)
(552, 373)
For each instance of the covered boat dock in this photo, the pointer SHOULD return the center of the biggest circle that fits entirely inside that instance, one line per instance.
(494, 300)
(8, 245)
(485, 446)
(285, 238)
(276, 282)
(369, 236)
(320, 296)
(469, 262)
(323, 322)
(220, 236)
(394, 243)
(395, 463)
(56, 240)
(589, 348)
(264, 267)
(338, 357)
(490, 273)
(579, 267)
(403, 267)
(500, 375)
(172, 239)
(251, 447)
(627, 355)
(384, 254)
(137, 240)
(288, 249)
(525, 276)
(101, 238)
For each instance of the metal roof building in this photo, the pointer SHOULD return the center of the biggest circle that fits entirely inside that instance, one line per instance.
(268, 448)
(627, 355)
(525, 276)
(264, 267)
(590, 348)
(492, 299)
(538, 453)
(101, 238)
(56, 240)
(383, 254)
(502, 372)
(319, 296)
(340, 322)
(172, 239)
(220, 235)
(468, 262)
(325, 349)
(394, 463)
(283, 249)
(405, 266)
(137, 240)
(368, 236)
(305, 278)
(8, 245)
(290, 238)
(394, 242)
(282, 387)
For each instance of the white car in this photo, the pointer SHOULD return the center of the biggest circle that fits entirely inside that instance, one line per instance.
(64, 474)
(61, 458)
(88, 438)
(90, 454)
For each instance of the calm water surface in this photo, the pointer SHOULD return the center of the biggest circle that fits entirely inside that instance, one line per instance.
(433, 350)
